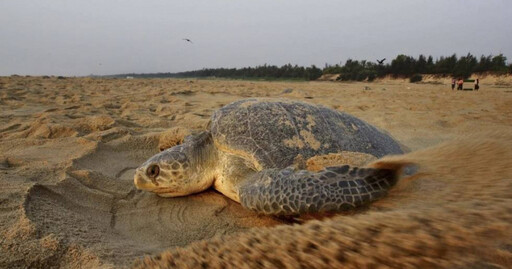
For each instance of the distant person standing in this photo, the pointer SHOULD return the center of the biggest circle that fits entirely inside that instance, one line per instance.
(476, 85)
(453, 83)
(459, 84)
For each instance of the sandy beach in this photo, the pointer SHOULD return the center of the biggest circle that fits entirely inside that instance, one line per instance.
(69, 148)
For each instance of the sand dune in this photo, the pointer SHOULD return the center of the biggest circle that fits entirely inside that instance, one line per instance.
(69, 148)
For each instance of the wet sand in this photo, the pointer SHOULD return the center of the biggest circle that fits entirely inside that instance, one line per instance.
(69, 148)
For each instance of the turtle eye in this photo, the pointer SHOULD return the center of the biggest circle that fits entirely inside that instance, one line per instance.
(153, 171)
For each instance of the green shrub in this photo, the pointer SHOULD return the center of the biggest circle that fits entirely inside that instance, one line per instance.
(415, 78)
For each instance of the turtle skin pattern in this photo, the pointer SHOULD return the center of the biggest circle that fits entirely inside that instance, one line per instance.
(334, 189)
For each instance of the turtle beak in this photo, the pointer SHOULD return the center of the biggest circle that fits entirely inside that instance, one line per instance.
(141, 182)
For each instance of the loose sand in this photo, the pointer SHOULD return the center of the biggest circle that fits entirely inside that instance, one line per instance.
(68, 149)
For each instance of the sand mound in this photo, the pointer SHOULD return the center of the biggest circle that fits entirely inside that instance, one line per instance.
(455, 213)
(93, 123)
(172, 137)
(42, 130)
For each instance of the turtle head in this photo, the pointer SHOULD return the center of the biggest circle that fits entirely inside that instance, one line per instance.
(181, 170)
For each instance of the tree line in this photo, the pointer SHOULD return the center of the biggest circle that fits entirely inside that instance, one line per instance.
(267, 72)
(408, 66)
(353, 70)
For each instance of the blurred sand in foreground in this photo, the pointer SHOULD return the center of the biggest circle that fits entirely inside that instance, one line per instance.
(68, 149)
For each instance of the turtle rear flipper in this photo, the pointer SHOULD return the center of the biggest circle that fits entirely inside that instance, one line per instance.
(334, 189)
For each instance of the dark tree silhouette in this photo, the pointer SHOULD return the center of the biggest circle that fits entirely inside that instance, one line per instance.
(402, 66)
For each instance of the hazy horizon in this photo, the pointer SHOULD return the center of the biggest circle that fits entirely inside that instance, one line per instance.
(76, 38)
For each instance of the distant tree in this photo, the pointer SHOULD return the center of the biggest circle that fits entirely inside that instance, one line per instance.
(499, 63)
(421, 64)
(415, 78)
(403, 65)
(332, 69)
(313, 72)
(430, 65)
(445, 65)
(484, 64)
(465, 66)
(372, 76)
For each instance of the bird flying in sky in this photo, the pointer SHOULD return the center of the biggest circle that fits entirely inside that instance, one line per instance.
(381, 61)
(188, 40)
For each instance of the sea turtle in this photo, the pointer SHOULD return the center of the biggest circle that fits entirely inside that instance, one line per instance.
(249, 153)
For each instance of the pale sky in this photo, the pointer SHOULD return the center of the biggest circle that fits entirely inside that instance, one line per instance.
(71, 37)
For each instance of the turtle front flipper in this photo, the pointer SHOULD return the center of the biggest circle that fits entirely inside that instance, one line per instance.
(290, 192)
